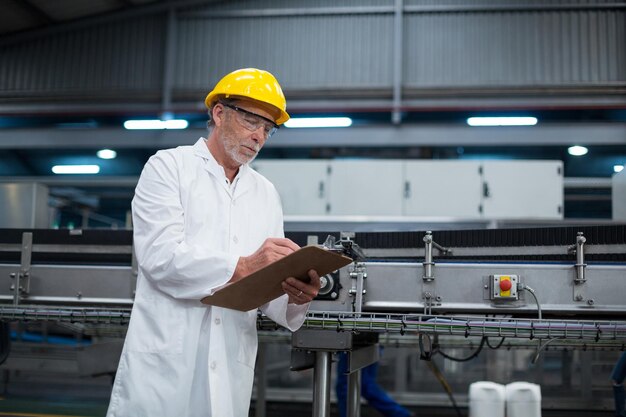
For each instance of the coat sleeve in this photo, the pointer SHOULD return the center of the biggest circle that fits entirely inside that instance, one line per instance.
(290, 316)
(181, 270)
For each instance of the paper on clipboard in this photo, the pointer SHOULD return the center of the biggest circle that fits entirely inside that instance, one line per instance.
(264, 285)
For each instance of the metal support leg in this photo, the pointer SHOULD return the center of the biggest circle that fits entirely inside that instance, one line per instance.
(321, 389)
(354, 394)
(261, 382)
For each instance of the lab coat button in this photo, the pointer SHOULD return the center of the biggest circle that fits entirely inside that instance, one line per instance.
(213, 365)
(235, 239)
(217, 320)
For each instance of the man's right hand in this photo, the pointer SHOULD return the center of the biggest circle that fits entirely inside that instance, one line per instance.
(270, 251)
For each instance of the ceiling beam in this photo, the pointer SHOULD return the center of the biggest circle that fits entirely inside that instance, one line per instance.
(295, 105)
(89, 181)
(390, 9)
(361, 136)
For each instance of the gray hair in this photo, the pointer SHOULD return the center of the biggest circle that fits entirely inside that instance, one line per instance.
(227, 101)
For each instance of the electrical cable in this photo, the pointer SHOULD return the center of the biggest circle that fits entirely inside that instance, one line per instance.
(426, 350)
(442, 380)
(501, 341)
(540, 348)
(470, 357)
(532, 292)
(496, 347)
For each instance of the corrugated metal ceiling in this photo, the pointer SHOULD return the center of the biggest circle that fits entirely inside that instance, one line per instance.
(24, 15)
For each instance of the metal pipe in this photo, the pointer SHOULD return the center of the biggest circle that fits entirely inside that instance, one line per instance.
(358, 288)
(321, 389)
(428, 256)
(354, 394)
(359, 291)
(396, 115)
(580, 258)
(168, 70)
(22, 281)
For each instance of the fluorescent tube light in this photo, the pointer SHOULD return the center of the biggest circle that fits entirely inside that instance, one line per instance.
(76, 169)
(106, 154)
(577, 150)
(618, 168)
(318, 122)
(502, 121)
(156, 124)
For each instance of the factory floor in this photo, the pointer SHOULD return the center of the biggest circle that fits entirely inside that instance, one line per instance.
(31, 395)
(31, 407)
(305, 410)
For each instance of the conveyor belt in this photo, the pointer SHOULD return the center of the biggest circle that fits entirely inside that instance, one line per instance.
(481, 240)
(55, 246)
(87, 247)
(540, 236)
(95, 268)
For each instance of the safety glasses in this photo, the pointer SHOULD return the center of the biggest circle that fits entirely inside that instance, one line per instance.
(253, 121)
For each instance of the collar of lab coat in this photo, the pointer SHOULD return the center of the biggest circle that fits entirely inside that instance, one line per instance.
(214, 168)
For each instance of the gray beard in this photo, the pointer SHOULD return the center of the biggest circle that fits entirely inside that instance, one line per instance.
(231, 148)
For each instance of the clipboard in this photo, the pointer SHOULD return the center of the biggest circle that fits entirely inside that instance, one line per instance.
(264, 285)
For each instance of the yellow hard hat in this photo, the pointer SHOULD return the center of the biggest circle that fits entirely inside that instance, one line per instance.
(251, 83)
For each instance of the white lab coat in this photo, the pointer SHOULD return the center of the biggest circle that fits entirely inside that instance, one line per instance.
(182, 358)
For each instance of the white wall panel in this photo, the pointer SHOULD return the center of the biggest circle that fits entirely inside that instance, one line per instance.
(461, 189)
(366, 188)
(618, 196)
(523, 189)
(443, 189)
(302, 185)
(24, 205)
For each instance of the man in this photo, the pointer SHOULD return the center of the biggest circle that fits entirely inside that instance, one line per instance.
(203, 218)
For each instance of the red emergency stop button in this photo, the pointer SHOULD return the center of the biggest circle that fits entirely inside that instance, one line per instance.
(505, 284)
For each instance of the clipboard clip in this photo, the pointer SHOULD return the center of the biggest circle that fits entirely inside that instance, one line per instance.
(346, 246)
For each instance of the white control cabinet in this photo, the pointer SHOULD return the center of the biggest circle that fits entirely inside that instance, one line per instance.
(24, 205)
(443, 189)
(366, 188)
(416, 188)
(302, 185)
(522, 189)
(618, 187)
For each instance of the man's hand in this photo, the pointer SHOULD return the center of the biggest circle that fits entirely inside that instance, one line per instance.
(270, 251)
(302, 292)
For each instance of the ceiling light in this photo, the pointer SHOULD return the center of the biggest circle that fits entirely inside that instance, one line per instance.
(618, 168)
(76, 169)
(318, 122)
(156, 124)
(577, 150)
(502, 121)
(106, 154)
